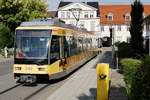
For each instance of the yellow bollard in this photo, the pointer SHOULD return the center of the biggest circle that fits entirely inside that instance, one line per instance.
(102, 81)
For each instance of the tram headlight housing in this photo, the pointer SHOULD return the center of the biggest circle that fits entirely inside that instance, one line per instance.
(17, 68)
(41, 69)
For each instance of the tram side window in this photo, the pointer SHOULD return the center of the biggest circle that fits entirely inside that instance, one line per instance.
(80, 40)
(85, 44)
(55, 49)
(73, 46)
(66, 47)
(89, 44)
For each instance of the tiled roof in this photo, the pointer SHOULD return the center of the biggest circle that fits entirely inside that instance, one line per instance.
(51, 14)
(119, 12)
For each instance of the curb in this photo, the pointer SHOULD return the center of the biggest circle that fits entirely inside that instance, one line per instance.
(4, 60)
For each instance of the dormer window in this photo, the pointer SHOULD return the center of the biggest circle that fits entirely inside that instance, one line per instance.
(110, 17)
(127, 17)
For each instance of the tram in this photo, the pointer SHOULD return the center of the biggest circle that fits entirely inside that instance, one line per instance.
(50, 49)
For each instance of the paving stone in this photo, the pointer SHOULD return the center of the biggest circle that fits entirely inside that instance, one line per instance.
(83, 85)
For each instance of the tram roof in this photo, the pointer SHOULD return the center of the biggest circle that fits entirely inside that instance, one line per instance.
(49, 22)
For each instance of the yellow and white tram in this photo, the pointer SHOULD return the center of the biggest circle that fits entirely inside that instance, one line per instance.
(50, 49)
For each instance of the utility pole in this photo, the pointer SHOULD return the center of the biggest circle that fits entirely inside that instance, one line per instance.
(77, 18)
(112, 36)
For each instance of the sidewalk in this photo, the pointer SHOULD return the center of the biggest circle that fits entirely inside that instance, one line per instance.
(5, 60)
(83, 85)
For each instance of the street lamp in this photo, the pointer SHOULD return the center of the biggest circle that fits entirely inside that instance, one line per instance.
(76, 17)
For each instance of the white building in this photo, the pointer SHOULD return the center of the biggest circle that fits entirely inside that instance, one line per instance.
(80, 14)
(118, 18)
(147, 38)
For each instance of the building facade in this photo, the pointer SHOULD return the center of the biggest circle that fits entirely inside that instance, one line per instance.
(147, 38)
(118, 18)
(80, 14)
(147, 23)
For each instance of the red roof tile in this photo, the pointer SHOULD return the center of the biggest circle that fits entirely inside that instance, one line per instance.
(51, 14)
(119, 12)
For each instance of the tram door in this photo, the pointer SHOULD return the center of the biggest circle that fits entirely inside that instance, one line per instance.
(64, 52)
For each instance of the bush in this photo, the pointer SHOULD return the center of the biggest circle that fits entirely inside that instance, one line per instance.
(125, 50)
(10, 53)
(129, 66)
(140, 87)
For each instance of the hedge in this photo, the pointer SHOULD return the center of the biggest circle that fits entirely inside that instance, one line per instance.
(129, 67)
(140, 87)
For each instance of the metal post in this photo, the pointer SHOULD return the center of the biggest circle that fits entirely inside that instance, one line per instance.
(113, 47)
(76, 9)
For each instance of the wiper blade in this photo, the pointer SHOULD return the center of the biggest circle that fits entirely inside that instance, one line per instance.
(38, 63)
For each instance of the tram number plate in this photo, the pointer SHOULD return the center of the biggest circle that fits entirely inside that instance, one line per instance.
(28, 68)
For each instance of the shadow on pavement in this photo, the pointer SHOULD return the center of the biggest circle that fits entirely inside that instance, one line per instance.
(118, 93)
(106, 58)
(92, 96)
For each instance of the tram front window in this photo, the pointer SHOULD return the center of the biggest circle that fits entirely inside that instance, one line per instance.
(32, 46)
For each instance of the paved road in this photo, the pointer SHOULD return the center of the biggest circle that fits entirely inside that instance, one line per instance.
(10, 90)
(6, 67)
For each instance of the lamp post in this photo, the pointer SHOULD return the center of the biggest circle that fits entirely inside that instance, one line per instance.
(76, 17)
(112, 35)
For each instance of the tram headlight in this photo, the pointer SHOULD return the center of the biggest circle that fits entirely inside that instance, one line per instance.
(17, 68)
(41, 69)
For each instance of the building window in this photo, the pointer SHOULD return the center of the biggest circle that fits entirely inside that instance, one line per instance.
(127, 17)
(91, 15)
(110, 17)
(62, 14)
(68, 14)
(128, 27)
(147, 26)
(119, 27)
(86, 15)
(102, 28)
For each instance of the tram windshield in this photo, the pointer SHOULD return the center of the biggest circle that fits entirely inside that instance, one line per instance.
(32, 44)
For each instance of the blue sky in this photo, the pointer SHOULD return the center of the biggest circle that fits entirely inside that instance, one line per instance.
(53, 4)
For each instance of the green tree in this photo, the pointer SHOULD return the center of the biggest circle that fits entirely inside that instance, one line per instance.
(13, 12)
(136, 28)
(5, 35)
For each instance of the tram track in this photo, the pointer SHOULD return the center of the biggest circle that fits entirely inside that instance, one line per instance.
(5, 91)
(28, 92)
(41, 91)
